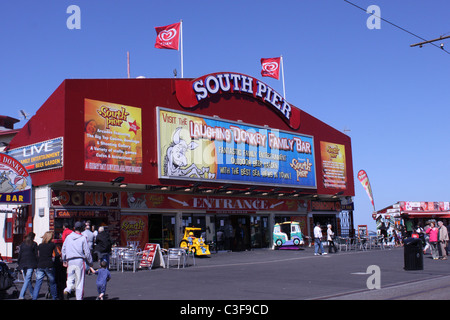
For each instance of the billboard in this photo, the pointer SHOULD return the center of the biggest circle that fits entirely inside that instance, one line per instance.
(333, 165)
(40, 156)
(112, 137)
(195, 147)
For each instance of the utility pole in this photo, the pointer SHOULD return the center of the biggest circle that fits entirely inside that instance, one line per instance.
(420, 44)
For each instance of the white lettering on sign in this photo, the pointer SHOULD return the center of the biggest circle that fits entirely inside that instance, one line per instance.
(37, 149)
(232, 82)
(208, 203)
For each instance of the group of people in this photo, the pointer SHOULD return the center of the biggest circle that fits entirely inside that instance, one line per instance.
(435, 237)
(318, 235)
(79, 247)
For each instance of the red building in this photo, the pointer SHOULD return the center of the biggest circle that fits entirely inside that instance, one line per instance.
(147, 157)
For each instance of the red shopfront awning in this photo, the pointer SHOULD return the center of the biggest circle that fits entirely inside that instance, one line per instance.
(426, 214)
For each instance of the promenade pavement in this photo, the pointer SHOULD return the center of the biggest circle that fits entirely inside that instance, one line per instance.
(264, 275)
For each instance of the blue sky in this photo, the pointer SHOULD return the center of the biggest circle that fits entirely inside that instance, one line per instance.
(393, 98)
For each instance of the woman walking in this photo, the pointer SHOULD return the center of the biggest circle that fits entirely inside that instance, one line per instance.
(432, 231)
(27, 261)
(45, 265)
(330, 238)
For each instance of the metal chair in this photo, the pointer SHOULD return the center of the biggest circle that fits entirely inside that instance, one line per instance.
(114, 259)
(178, 255)
(342, 242)
(190, 253)
(129, 257)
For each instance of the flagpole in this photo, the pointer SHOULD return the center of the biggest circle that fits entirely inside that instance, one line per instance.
(181, 44)
(282, 75)
(128, 64)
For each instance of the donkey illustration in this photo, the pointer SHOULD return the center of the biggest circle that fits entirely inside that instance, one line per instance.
(5, 183)
(175, 160)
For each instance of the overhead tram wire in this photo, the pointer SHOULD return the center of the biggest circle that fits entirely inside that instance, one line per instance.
(398, 27)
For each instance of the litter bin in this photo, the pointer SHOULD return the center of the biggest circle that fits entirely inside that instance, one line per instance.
(413, 254)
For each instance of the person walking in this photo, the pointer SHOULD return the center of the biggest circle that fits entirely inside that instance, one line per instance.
(103, 245)
(27, 262)
(426, 237)
(443, 239)
(318, 241)
(89, 236)
(75, 254)
(45, 265)
(432, 231)
(330, 239)
(103, 276)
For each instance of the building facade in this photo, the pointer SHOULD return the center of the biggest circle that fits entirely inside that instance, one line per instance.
(148, 157)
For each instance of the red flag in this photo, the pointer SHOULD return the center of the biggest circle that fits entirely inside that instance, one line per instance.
(270, 67)
(168, 37)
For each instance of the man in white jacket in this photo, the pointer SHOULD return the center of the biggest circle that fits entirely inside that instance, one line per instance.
(75, 254)
(318, 241)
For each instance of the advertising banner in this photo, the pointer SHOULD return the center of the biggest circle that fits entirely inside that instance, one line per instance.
(134, 229)
(40, 156)
(194, 147)
(113, 137)
(424, 206)
(364, 179)
(15, 181)
(333, 164)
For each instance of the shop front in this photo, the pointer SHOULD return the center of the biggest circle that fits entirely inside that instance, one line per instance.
(228, 223)
(407, 215)
(150, 157)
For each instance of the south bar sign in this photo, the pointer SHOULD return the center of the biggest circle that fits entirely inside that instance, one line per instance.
(15, 181)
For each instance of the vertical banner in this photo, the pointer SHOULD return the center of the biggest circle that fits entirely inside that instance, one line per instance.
(113, 137)
(364, 179)
(134, 229)
(333, 165)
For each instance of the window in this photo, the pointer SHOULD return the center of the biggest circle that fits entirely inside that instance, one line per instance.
(9, 230)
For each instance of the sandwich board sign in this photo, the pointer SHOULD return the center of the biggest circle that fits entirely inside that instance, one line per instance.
(152, 252)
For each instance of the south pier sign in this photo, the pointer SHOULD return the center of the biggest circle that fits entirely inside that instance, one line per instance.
(190, 93)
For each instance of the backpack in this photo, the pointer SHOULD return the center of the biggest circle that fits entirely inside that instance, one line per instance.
(6, 280)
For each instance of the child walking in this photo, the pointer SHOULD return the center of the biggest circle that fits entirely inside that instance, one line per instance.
(103, 276)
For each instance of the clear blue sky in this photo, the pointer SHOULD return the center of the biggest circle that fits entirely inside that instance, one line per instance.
(393, 98)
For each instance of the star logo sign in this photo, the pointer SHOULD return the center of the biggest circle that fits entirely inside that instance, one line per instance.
(134, 127)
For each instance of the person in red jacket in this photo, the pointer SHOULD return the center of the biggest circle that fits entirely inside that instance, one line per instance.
(66, 231)
(432, 231)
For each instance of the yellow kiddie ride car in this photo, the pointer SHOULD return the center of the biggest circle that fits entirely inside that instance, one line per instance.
(193, 241)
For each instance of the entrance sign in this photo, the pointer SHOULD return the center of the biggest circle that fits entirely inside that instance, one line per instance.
(191, 93)
(196, 147)
(152, 252)
(15, 181)
(222, 204)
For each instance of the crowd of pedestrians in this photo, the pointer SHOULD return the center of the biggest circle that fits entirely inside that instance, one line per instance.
(65, 269)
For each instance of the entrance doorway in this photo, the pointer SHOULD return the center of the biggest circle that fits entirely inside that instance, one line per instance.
(161, 229)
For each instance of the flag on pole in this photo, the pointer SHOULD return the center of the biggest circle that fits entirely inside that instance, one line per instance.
(364, 179)
(270, 67)
(168, 37)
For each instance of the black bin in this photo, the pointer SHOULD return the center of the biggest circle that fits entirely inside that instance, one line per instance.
(413, 254)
